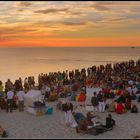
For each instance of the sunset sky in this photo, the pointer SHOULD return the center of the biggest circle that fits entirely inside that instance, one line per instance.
(69, 23)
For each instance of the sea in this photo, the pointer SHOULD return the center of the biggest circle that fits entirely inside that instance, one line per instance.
(24, 62)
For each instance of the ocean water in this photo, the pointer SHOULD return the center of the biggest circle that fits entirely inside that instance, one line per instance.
(23, 62)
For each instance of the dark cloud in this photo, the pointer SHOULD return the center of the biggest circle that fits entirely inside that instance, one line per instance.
(118, 19)
(105, 5)
(99, 6)
(24, 4)
(76, 13)
(111, 3)
(51, 10)
(57, 23)
(15, 30)
(20, 10)
(74, 23)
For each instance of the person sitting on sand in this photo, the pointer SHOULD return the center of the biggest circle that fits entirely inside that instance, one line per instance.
(121, 99)
(84, 125)
(3, 132)
(53, 96)
(138, 99)
(128, 104)
(73, 96)
(134, 109)
(110, 122)
(81, 122)
(82, 97)
(78, 116)
(120, 108)
(112, 107)
(92, 119)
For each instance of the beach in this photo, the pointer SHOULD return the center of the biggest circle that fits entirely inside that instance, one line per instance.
(25, 125)
(64, 64)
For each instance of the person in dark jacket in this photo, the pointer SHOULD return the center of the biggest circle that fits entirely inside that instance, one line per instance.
(110, 122)
(134, 109)
(94, 101)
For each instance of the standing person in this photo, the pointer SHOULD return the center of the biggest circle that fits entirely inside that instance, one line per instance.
(21, 95)
(68, 113)
(9, 84)
(101, 102)
(20, 82)
(26, 84)
(94, 101)
(1, 90)
(10, 95)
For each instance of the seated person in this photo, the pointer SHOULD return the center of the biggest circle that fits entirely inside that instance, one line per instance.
(78, 116)
(84, 125)
(111, 107)
(96, 121)
(139, 99)
(120, 108)
(94, 126)
(93, 119)
(53, 96)
(73, 96)
(128, 104)
(47, 94)
(81, 121)
(111, 95)
(133, 96)
(121, 98)
(89, 117)
(110, 122)
(3, 132)
(82, 97)
(134, 109)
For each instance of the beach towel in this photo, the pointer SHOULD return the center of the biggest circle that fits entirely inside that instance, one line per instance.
(89, 108)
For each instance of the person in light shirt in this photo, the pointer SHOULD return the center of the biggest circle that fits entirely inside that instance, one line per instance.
(20, 95)
(10, 95)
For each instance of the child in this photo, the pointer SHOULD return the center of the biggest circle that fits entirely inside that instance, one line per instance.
(110, 122)
(3, 132)
(134, 109)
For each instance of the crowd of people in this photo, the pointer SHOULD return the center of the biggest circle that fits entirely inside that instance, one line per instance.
(119, 82)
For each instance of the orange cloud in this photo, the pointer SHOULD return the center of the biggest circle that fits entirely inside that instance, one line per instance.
(69, 24)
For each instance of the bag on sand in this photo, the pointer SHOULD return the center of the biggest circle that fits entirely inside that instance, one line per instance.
(99, 129)
(49, 111)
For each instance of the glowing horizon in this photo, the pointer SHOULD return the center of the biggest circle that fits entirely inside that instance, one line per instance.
(69, 24)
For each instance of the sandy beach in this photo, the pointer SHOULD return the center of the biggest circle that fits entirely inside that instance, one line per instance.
(88, 52)
(25, 125)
